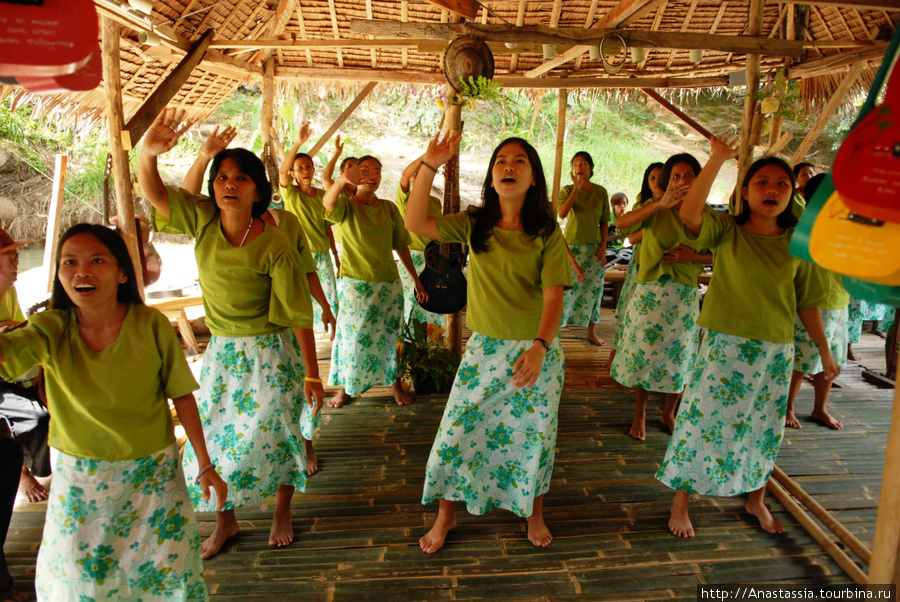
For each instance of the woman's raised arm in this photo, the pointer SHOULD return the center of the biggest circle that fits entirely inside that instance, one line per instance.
(439, 152)
(692, 209)
(162, 137)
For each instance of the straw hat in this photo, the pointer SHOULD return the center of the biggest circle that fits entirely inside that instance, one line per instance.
(467, 56)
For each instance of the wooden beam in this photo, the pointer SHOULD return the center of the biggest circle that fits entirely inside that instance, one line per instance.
(588, 21)
(467, 9)
(836, 61)
(617, 15)
(268, 101)
(658, 40)
(833, 103)
(560, 143)
(140, 122)
(115, 118)
(520, 21)
(677, 112)
(279, 23)
(303, 34)
(858, 4)
(453, 121)
(332, 11)
(54, 218)
(342, 118)
(745, 151)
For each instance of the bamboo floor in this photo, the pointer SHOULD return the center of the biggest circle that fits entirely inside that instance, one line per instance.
(358, 525)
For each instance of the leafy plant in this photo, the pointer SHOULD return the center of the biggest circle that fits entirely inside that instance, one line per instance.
(479, 88)
(779, 96)
(425, 356)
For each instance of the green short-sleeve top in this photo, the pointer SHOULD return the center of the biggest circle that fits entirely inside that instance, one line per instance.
(109, 405)
(369, 234)
(836, 296)
(506, 284)
(663, 231)
(591, 207)
(10, 311)
(435, 207)
(257, 289)
(311, 213)
(757, 285)
(798, 205)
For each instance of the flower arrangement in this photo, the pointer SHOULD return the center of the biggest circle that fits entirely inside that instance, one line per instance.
(478, 88)
(425, 359)
(779, 96)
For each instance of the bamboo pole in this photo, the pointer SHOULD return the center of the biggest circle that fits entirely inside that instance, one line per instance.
(538, 105)
(840, 531)
(268, 102)
(54, 217)
(115, 117)
(884, 568)
(342, 118)
(560, 142)
(822, 538)
(453, 121)
(745, 156)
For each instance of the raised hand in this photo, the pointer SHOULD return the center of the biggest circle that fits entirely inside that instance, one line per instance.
(304, 133)
(674, 193)
(165, 131)
(725, 147)
(441, 149)
(217, 142)
(338, 147)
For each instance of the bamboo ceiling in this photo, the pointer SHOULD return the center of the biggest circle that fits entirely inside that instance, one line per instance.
(343, 42)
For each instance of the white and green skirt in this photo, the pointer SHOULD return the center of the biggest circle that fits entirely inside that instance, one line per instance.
(581, 304)
(250, 398)
(659, 337)
(120, 530)
(364, 352)
(325, 272)
(806, 357)
(496, 443)
(729, 427)
(625, 295)
(411, 308)
(860, 311)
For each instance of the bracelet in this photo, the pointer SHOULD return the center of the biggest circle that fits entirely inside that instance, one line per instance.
(428, 166)
(310, 379)
(542, 342)
(206, 468)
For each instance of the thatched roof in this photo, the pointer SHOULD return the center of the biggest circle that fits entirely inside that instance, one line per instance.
(344, 42)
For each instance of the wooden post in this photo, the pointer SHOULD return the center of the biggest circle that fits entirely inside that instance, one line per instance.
(268, 103)
(884, 568)
(453, 121)
(560, 142)
(54, 216)
(836, 99)
(538, 106)
(115, 118)
(746, 149)
(342, 118)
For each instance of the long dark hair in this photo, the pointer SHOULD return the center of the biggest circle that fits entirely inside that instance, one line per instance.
(674, 160)
(128, 291)
(786, 218)
(646, 191)
(536, 212)
(250, 165)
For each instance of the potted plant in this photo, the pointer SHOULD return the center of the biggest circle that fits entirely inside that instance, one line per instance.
(426, 360)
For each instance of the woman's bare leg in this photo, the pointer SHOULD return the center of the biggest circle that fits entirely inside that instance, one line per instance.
(433, 541)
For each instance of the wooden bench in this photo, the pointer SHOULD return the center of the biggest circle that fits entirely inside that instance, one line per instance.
(173, 307)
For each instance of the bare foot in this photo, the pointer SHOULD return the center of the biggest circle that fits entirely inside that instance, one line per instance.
(827, 419)
(852, 355)
(538, 533)
(13, 596)
(339, 399)
(30, 488)
(400, 396)
(593, 339)
(638, 429)
(433, 541)
(680, 523)
(668, 423)
(226, 528)
(878, 333)
(791, 422)
(282, 532)
(312, 463)
(769, 523)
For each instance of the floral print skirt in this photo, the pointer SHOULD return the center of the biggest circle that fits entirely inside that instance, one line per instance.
(806, 356)
(120, 530)
(364, 352)
(729, 427)
(250, 398)
(496, 443)
(860, 311)
(581, 303)
(625, 295)
(411, 308)
(659, 337)
(325, 272)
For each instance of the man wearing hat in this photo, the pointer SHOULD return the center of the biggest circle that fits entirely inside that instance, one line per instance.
(21, 410)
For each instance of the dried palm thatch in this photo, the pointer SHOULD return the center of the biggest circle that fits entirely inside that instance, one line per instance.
(339, 43)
